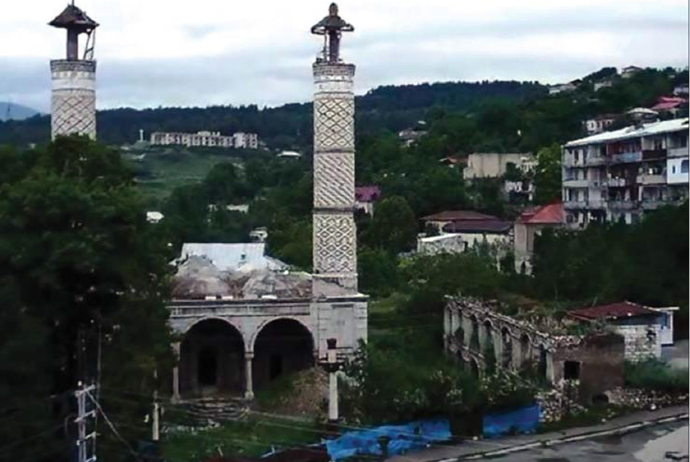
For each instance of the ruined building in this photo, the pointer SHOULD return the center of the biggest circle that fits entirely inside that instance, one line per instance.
(480, 338)
(73, 100)
(245, 319)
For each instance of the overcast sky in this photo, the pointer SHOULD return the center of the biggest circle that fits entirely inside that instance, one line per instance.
(198, 52)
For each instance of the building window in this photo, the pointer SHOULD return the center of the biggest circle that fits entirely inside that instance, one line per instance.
(651, 336)
(684, 166)
(571, 370)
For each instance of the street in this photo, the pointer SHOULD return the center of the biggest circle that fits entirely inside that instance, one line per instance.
(648, 445)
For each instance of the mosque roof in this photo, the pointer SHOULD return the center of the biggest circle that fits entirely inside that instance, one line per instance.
(73, 18)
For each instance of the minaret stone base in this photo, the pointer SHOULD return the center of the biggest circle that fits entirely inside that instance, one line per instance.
(73, 102)
(334, 231)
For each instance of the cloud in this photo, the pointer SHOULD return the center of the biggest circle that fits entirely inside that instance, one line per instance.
(153, 53)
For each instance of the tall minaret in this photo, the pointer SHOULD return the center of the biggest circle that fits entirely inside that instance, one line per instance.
(73, 102)
(335, 236)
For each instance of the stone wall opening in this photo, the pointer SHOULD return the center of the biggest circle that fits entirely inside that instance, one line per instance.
(283, 346)
(211, 360)
(524, 353)
(506, 348)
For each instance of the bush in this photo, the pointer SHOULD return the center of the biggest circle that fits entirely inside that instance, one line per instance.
(656, 375)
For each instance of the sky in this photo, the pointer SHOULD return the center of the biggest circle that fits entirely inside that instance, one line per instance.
(155, 53)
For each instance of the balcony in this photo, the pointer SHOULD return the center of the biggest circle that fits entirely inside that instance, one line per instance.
(626, 157)
(595, 161)
(616, 182)
(651, 179)
(585, 205)
(622, 205)
(652, 154)
(678, 152)
(576, 183)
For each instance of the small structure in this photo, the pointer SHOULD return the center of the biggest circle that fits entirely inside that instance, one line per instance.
(562, 88)
(528, 226)
(445, 243)
(73, 101)
(441, 219)
(242, 257)
(495, 233)
(495, 165)
(154, 216)
(259, 234)
(630, 71)
(411, 135)
(599, 123)
(206, 139)
(670, 104)
(289, 155)
(584, 367)
(366, 197)
(606, 83)
(681, 90)
(641, 326)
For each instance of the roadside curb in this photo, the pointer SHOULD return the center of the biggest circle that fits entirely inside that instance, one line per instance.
(570, 439)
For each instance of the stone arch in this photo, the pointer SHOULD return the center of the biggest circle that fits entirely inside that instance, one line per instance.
(474, 332)
(524, 351)
(281, 346)
(459, 335)
(506, 348)
(252, 338)
(542, 367)
(211, 358)
(474, 367)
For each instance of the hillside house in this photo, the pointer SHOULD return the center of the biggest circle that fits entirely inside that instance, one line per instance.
(366, 197)
(644, 329)
(599, 123)
(630, 71)
(526, 229)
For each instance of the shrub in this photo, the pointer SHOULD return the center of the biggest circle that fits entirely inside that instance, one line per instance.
(654, 374)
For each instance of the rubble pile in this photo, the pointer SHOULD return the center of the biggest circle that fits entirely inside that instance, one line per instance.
(637, 398)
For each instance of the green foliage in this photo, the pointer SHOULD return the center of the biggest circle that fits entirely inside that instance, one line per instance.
(647, 263)
(547, 177)
(393, 227)
(378, 271)
(78, 261)
(656, 375)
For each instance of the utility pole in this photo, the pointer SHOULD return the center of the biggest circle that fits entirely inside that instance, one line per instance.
(155, 422)
(85, 452)
(332, 367)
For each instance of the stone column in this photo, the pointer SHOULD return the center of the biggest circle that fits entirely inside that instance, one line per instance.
(73, 101)
(334, 233)
(248, 382)
(176, 374)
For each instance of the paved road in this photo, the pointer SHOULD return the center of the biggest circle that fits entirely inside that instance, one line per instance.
(648, 445)
(451, 452)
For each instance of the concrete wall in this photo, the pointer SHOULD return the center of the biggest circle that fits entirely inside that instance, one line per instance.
(491, 165)
(639, 345)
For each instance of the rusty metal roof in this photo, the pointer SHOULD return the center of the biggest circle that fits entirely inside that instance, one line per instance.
(73, 18)
(612, 311)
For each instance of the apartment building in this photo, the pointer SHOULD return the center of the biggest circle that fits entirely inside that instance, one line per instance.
(206, 138)
(622, 174)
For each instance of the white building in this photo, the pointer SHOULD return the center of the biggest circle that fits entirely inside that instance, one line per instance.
(205, 138)
(445, 243)
(599, 124)
(620, 175)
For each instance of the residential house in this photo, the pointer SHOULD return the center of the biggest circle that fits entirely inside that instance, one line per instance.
(640, 326)
(410, 135)
(681, 90)
(496, 234)
(670, 104)
(528, 226)
(563, 87)
(630, 71)
(606, 83)
(622, 174)
(441, 219)
(444, 243)
(599, 123)
(495, 165)
(366, 197)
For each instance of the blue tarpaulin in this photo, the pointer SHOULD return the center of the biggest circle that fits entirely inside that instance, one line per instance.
(403, 438)
(523, 420)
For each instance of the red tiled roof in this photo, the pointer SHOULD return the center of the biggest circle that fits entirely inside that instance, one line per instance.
(367, 193)
(548, 214)
(667, 105)
(612, 311)
(478, 226)
(459, 215)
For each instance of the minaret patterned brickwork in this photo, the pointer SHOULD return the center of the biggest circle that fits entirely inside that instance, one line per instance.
(335, 235)
(73, 99)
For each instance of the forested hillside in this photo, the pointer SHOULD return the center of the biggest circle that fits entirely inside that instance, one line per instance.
(389, 107)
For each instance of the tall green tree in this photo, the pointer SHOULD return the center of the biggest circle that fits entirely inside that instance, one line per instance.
(547, 177)
(394, 227)
(85, 279)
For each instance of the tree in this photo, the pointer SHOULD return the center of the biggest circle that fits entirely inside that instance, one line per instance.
(547, 177)
(394, 227)
(81, 273)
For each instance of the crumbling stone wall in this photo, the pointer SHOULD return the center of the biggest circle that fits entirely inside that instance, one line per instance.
(642, 340)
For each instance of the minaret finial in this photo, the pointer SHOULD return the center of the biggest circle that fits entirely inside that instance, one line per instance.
(332, 27)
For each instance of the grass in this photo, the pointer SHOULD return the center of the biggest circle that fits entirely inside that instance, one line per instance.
(590, 416)
(250, 438)
(164, 169)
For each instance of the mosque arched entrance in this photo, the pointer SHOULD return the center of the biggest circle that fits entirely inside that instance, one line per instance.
(212, 360)
(282, 346)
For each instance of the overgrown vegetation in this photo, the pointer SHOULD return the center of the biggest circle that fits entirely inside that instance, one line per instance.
(656, 375)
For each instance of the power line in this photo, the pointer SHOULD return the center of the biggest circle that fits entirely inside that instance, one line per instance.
(112, 427)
